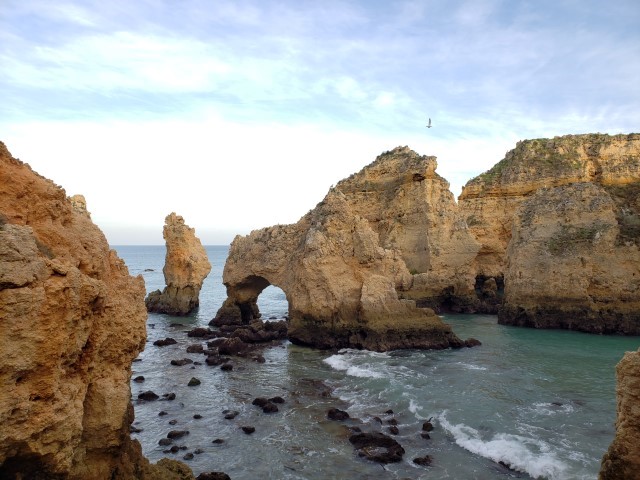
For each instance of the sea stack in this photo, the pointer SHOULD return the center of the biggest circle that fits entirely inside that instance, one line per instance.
(622, 460)
(186, 266)
(73, 319)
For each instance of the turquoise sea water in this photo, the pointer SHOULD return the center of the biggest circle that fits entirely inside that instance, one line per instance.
(540, 401)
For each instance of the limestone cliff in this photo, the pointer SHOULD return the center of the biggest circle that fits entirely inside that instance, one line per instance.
(73, 319)
(342, 265)
(559, 224)
(186, 266)
(622, 460)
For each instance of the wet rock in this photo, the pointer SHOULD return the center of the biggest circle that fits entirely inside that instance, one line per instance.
(162, 413)
(188, 456)
(355, 429)
(258, 359)
(139, 379)
(165, 342)
(217, 441)
(182, 362)
(392, 421)
(270, 408)
(276, 399)
(213, 360)
(260, 401)
(133, 429)
(394, 430)
(165, 441)
(472, 342)
(230, 414)
(148, 396)
(173, 434)
(200, 332)
(226, 367)
(378, 419)
(194, 382)
(213, 476)
(426, 436)
(377, 447)
(168, 396)
(198, 451)
(233, 346)
(197, 416)
(423, 461)
(173, 422)
(197, 363)
(174, 449)
(248, 430)
(389, 412)
(195, 348)
(337, 414)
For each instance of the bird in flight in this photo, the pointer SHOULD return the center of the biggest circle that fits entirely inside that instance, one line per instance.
(429, 124)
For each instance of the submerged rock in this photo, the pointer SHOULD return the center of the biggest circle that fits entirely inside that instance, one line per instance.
(337, 414)
(377, 447)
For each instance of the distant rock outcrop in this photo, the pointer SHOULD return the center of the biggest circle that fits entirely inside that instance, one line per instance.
(622, 460)
(186, 266)
(342, 265)
(559, 224)
(73, 319)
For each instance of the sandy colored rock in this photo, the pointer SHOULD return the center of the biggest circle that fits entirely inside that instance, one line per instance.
(186, 266)
(340, 279)
(73, 319)
(622, 460)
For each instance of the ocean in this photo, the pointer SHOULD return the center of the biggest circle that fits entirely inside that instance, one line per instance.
(525, 404)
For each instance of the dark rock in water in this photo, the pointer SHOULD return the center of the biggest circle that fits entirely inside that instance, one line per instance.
(392, 421)
(276, 399)
(217, 441)
(198, 451)
(162, 413)
(173, 422)
(427, 426)
(556, 404)
(180, 363)
(213, 360)
(195, 348)
(165, 441)
(174, 449)
(148, 269)
(378, 419)
(139, 379)
(230, 414)
(270, 408)
(133, 429)
(248, 430)
(394, 430)
(389, 412)
(197, 416)
(377, 447)
(188, 456)
(194, 382)
(423, 461)
(471, 342)
(168, 396)
(355, 429)
(213, 476)
(165, 342)
(258, 359)
(148, 395)
(176, 325)
(260, 401)
(426, 436)
(197, 363)
(200, 332)
(337, 414)
(233, 346)
(173, 434)
(226, 367)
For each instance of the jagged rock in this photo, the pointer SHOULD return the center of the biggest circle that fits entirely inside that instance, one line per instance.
(194, 382)
(186, 266)
(164, 342)
(73, 321)
(340, 277)
(148, 395)
(622, 460)
(377, 447)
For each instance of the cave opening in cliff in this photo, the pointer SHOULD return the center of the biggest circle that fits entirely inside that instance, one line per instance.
(273, 304)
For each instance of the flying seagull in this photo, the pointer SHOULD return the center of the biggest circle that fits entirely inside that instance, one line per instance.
(429, 125)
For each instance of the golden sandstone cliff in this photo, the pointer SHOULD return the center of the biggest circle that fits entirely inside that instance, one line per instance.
(186, 266)
(73, 319)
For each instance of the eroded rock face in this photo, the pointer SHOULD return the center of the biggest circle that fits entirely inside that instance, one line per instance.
(186, 266)
(622, 460)
(340, 280)
(73, 319)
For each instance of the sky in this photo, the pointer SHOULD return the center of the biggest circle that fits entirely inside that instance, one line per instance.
(240, 115)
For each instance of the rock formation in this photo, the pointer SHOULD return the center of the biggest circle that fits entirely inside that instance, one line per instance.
(559, 224)
(622, 460)
(73, 319)
(342, 265)
(186, 266)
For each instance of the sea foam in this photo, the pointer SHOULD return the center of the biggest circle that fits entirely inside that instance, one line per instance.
(519, 453)
(343, 363)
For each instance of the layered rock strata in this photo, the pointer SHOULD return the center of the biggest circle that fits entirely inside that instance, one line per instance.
(622, 460)
(559, 225)
(73, 319)
(186, 266)
(340, 278)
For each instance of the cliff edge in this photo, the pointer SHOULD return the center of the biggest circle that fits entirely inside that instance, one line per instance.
(73, 319)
